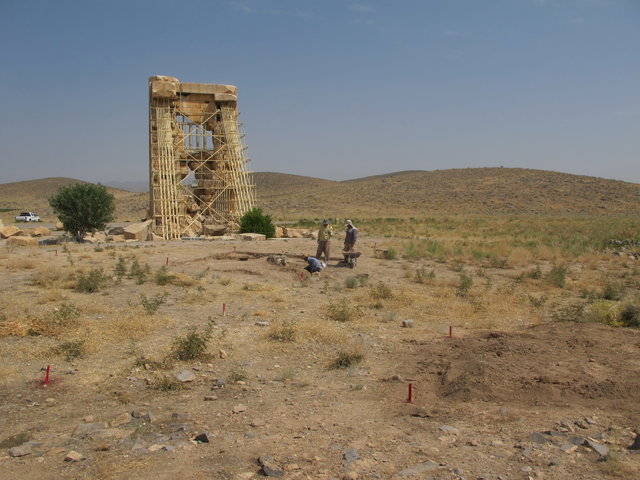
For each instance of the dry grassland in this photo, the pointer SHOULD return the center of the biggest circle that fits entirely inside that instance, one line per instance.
(303, 368)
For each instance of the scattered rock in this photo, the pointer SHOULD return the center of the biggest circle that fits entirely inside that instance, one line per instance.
(428, 466)
(74, 456)
(257, 423)
(121, 419)
(269, 467)
(202, 437)
(449, 429)
(185, 376)
(538, 437)
(408, 323)
(210, 398)
(569, 448)
(20, 451)
(222, 354)
(636, 443)
(240, 408)
(600, 449)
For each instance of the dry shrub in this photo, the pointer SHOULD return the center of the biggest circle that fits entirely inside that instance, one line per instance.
(182, 280)
(60, 320)
(129, 326)
(16, 327)
(520, 257)
(21, 263)
(53, 295)
(53, 277)
(326, 333)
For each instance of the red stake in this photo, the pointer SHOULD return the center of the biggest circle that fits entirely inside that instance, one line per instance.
(224, 309)
(450, 331)
(410, 394)
(301, 276)
(46, 375)
(167, 261)
(56, 252)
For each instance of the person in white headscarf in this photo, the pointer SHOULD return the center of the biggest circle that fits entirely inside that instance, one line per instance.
(351, 237)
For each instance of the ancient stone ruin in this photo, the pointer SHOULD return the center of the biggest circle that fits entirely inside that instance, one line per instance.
(198, 174)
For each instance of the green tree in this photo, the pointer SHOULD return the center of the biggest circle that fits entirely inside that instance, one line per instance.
(254, 221)
(83, 208)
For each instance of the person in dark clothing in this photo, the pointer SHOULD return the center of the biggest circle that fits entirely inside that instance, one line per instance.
(351, 237)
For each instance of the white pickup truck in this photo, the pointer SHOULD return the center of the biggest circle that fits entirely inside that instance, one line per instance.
(27, 217)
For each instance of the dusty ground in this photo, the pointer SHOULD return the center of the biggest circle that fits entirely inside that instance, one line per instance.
(503, 398)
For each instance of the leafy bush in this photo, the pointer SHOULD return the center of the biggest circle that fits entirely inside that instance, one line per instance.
(630, 316)
(284, 333)
(464, 285)
(613, 291)
(163, 277)
(120, 269)
(193, 345)
(381, 291)
(351, 282)
(342, 311)
(346, 360)
(238, 374)
(83, 208)
(391, 254)
(138, 272)
(422, 276)
(91, 282)
(254, 221)
(167, 384)
(71, 350)
(557, 276)
(151, 305)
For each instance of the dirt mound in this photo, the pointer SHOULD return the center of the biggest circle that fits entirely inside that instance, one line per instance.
(565, 363)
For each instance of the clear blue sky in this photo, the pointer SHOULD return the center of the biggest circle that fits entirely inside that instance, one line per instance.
(328, 88)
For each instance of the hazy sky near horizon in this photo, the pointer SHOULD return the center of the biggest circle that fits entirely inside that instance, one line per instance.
(328, 88)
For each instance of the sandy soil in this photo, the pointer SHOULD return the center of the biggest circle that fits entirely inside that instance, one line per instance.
(506, 402)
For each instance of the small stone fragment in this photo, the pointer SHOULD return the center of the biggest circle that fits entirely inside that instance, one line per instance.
(602, 450)
(538, 437)
(186, 376)
(408, 323)
(449, 429)
(202, 437)
(20, 451)
(569, 448)
(239, 408)
(269, 467)
(74, 456)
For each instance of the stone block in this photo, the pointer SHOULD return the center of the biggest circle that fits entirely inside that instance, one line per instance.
(138, 231)
(253, 236)
(214, 230)
(10, 231)
(41, 232)
(23, 241)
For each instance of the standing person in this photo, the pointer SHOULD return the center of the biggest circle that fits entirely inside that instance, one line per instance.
(324, 240)
(351, 237)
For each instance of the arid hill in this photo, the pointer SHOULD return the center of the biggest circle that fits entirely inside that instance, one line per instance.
(471, 190)
(32, 195)
(409, 193)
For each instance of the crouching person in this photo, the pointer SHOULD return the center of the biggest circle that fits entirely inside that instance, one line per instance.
(313, 264)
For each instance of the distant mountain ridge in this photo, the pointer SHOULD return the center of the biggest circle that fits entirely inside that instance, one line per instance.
(407, 193)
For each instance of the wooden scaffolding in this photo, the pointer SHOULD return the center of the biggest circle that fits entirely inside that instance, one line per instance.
(198, 175)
